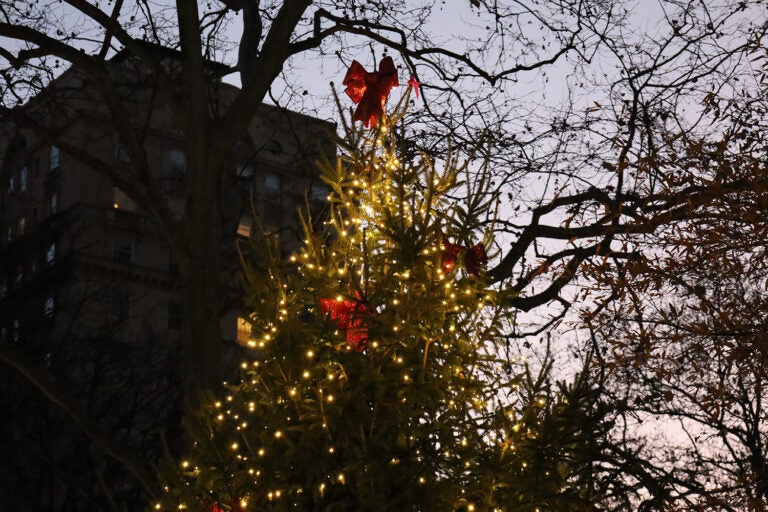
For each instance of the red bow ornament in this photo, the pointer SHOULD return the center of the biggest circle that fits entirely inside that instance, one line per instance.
(415, 84)
(370, 90)
(349, 316)
(475, 257)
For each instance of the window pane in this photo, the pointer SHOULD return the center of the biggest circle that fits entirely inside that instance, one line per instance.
(50, 254)
(178, 161)
(23, 179)
(244, 331)
(54, 158)
(244, 228)
(48, 306)
(122, 251)
(244, 171)
(120, 153)
(272, 186)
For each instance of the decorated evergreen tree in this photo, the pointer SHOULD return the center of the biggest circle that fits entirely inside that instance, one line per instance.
(378, 378)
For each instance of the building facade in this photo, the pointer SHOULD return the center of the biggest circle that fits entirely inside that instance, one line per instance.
(89, 287)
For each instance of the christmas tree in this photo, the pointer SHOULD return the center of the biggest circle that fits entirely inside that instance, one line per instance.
(379, 378)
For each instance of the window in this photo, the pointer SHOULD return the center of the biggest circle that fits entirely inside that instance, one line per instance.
(319, 193)
(244, 331)
(23, 175)
(54, 158)
(21, 226)
(272, 186)
(120, 153)
(175, 316)
(122, 251)
(16, 331)
(178, 161)
(9, 234)
(48, 306)
(12, 185)
(120, 200)
(50, 254)
(244, 172)
(53, 204)
(245, 226)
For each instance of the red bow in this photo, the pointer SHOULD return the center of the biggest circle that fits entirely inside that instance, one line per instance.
(348, 315)
(475, 257)
(370, 90)
(415, 84)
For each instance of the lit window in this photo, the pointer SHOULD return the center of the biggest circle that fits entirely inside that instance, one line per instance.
(122, 251)
(178, 161)
(12, 184)
(244, 330)
(50, 254)
(54, 158)
(120, 200)
(245, 226)
(23, 179)
(22, 226)
(175, 316)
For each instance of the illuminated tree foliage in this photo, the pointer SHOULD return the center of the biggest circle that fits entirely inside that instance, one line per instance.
(380, 379)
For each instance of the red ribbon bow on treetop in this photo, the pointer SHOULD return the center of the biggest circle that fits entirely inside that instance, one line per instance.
(370, 90)
(349, 316)
(475, 257)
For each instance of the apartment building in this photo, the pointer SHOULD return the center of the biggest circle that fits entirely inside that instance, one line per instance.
(89, 287)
